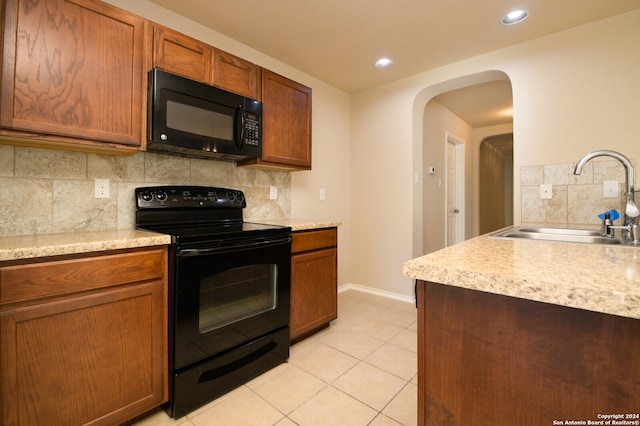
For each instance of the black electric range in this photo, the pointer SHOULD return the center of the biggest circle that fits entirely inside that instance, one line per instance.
(196, 214)
(229, 290)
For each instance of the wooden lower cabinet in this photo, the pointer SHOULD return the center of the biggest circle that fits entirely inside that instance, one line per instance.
(314, 281)
(489, 360)
(88, 352)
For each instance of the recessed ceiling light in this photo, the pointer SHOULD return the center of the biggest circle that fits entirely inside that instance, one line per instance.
(515, 17)
(383, 62)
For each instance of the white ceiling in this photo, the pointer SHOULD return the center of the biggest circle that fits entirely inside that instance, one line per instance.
(338, 41)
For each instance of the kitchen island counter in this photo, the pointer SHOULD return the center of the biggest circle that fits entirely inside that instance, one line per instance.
(599, 278)
(523, 332)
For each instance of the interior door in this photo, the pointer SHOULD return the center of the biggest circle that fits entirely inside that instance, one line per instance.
(452, 209)
(455, 191)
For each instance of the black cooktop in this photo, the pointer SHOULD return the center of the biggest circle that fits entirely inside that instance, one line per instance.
(188, 234)
(197, 213)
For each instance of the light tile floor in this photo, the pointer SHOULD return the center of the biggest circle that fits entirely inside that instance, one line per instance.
(359, 371)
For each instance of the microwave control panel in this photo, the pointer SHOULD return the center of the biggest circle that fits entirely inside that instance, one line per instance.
(251, 131)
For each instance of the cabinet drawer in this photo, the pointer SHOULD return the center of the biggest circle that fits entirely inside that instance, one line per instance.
(312, 240)
(35, 280)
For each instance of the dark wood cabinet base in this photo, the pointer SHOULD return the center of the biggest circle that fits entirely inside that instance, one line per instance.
(487, 359)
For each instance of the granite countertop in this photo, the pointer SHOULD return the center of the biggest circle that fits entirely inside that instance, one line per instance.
(302, 224)
(598, 278)
(41, 245)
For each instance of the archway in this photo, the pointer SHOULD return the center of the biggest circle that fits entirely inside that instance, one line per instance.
(429, 202)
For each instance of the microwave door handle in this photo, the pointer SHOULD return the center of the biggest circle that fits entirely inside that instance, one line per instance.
(239, 121)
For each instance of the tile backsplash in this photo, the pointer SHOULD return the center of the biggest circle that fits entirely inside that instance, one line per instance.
(576, 200)
(46, 191)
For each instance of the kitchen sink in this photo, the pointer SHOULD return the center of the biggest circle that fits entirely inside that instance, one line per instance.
(567, 235)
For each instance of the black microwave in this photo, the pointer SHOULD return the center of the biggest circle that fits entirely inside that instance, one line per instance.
(194, 119)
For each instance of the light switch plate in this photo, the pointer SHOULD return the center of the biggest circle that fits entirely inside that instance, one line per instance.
(610, 189)
(546, 191)
(273, 192)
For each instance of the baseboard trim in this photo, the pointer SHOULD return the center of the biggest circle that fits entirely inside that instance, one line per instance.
(377, 292)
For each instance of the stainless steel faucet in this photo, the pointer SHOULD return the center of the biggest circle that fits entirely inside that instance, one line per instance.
(631, 212)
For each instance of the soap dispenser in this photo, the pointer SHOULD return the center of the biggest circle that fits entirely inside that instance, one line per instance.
(606, 230)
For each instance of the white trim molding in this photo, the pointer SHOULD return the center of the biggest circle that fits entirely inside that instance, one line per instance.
(375, 291)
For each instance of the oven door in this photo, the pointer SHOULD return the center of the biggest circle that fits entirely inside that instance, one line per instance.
(229, 294)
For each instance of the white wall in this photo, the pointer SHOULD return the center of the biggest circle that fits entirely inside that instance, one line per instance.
(573, 92)
(438, 121)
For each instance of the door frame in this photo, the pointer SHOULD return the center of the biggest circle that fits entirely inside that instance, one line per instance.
(460, 187)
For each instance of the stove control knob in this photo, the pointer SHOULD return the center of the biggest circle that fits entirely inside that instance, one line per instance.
(161, 196)
(240, 197)
(146, 196)
(231, 195)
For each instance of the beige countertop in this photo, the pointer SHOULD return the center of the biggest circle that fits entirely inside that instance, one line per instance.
(42, 245)
(598, 278)
(302, 224)
(31, 246)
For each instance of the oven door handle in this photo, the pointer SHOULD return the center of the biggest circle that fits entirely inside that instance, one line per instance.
(234, 246)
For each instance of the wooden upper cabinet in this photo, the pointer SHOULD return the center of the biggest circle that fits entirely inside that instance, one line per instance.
(179, 54)
(286, 120)
(235, 74)
(73, 71)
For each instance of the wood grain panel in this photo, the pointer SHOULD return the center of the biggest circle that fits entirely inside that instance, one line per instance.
(314, 291)
(287, 121)
(312, 240)
(73, 68)
(235, 74)
(180, 54)
(98, 358)
(487, 360)
(31, 281)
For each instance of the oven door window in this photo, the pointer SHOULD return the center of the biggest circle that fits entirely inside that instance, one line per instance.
(234, 295)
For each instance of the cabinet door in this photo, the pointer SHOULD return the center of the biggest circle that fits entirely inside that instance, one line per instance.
(314, 291)
(73, 68)
(287, 122)
(97, 358)
(235, 74)
(180, 54)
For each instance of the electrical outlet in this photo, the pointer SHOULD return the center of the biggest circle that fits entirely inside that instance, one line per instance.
(546, 191)
(322, 194)
(102, 188)
(273, 193)
(610, 189)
